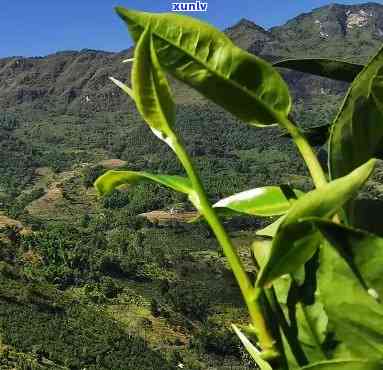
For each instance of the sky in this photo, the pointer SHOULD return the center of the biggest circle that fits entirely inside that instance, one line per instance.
(42, 27)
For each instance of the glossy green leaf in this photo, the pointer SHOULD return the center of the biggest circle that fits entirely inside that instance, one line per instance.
(345, 364)
(265, 201)
(362, 251)
(295, 242)
(334, 69)
(357, 132)
(114, 179)
(206, 59)
(252, 350)
(151, 89)
(354, 315)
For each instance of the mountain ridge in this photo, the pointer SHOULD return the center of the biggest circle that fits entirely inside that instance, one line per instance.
(62, 109)
(243, 22)
(20, 76)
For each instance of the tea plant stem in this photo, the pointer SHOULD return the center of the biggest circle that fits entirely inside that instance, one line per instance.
(313, 165)
(266, 341)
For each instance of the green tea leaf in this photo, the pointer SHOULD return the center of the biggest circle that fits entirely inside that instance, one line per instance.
(252, 350)
(295, 241)
(293, 245)
(346, 364)
(334, 69)
(206, 59)
(354, 314)
(151, 89)
(265, 201)
(361, 250)
(357, 132)
(114, 179)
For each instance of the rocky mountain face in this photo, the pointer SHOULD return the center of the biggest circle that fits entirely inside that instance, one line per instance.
(343, 31)
(247, 35)
(350, 32)
(61, 81)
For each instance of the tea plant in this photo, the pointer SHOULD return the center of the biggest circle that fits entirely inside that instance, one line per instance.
(315, 303)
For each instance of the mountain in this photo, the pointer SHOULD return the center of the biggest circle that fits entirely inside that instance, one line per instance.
(67, 80)
(342, 31)
(247, 35)
(77, 81)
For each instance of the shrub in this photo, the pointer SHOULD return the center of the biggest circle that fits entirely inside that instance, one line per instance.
(190, 299)
(90, 174)
(216, 337)
(315, 229)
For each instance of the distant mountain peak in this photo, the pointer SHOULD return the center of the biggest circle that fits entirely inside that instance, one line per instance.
(246, 24)
(334, 24)
(79, 79)
(246, 34)
(364, 9)
(354, 16)
(335, 6)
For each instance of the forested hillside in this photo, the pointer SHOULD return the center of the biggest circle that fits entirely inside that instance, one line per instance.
(90, 283)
